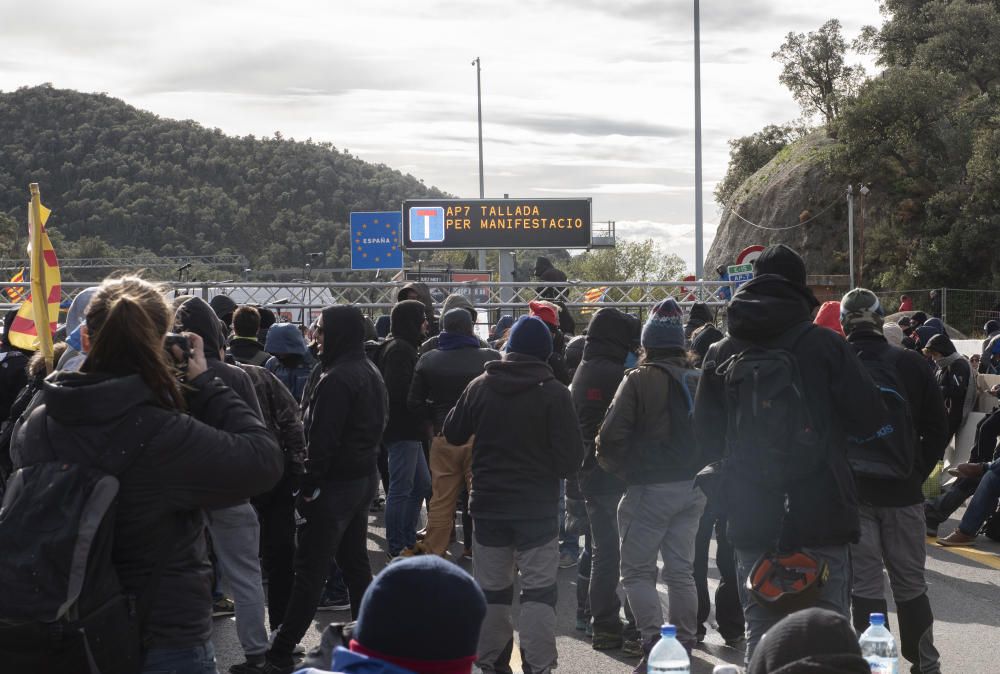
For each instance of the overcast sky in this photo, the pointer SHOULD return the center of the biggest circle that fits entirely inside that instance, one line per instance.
(580, 97)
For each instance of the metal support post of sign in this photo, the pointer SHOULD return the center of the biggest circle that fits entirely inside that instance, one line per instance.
(699, 235)
(850, 232)
(479, 108)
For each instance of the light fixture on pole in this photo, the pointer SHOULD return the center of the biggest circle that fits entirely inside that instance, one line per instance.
(479, 108)
(699, 243)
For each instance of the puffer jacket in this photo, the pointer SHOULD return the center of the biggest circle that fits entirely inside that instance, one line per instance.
(170, 466)
(440, 377)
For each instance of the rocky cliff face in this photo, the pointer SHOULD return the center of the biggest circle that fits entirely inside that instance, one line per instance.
(798, 179)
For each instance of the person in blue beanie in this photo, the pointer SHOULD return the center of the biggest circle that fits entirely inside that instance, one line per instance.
(422, 615)
(527, 438)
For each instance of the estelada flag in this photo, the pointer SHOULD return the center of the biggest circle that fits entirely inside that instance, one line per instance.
(16, 295)
(23, 331)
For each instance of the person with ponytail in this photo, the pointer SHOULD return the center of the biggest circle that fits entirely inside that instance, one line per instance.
(177, 444)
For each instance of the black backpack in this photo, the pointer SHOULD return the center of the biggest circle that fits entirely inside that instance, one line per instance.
(770, 437)
(890, 454)
(62, 605)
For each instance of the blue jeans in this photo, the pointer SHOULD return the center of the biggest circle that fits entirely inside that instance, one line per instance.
(194, 660)
(409, 485)
(983, 503)
(568, 545)
(835, 595)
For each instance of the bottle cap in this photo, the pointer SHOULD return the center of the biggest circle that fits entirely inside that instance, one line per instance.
(877, 619)
(668, 632)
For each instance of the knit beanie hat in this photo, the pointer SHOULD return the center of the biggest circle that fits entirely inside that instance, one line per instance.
(546, 311)
(457, 321)
(893, 334)
(861, 310)
(783, 261)
(813, 641)
(530, 337)
(829, 317)
(941, 344)
(423, 614)
(664, 328)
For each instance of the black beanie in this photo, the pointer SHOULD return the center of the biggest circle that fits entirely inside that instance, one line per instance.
(421, 611)
(813, 641)
(783, 261)
(941, 344)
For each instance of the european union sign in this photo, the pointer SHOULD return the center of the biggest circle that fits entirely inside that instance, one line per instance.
(375, 240)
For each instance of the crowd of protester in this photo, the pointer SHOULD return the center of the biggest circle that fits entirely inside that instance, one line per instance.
(249, 455)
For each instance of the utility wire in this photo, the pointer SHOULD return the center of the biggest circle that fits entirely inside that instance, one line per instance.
(733, 210)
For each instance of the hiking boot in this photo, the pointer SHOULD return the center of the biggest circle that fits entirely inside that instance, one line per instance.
(334, 601)
(957, 538)
(567, 560)
(647, 646)
(631, 647)
(223, 607)
(607, 641)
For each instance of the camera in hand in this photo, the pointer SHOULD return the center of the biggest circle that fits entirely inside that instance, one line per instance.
(184, 344)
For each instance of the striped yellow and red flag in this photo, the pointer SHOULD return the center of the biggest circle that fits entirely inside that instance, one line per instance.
(16, 295)
(593, 296)
(45, 282)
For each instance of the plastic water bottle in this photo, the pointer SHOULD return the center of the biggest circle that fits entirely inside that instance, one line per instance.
(878, 647)
(668, 655)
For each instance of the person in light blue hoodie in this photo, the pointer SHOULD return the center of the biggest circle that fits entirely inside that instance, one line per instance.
(74, 356)
(291, 361)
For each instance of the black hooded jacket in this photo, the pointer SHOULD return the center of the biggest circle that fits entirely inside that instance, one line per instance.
(929, 418)
(424, 297)
(346, 409)
(195, 315)
(170, 466)
(397, 361)
(527, 438)
(609, 338)
(841, 397)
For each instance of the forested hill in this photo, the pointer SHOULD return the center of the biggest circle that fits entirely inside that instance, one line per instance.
(119, 179)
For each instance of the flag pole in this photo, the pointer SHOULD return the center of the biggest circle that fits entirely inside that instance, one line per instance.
(40, 300)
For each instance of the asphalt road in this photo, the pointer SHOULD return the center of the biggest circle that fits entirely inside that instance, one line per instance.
(964, 586)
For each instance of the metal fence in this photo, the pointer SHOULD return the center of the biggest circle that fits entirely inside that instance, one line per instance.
(301, 302)
(965, 310)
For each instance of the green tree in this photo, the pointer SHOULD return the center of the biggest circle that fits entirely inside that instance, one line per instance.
(815, 70)
(636, 261)
(749, 154)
